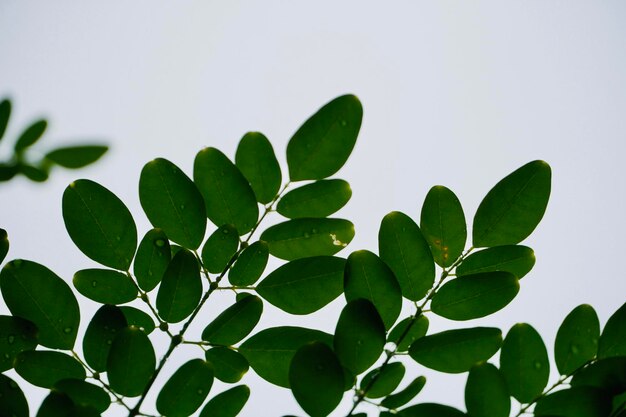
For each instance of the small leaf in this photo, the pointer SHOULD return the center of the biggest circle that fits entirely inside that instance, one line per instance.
(228, 403)
(613, 339)
(386, 380)
(99, 224)
(100, 333)
(516, 259)
(131, 362)
(228, 197)
(399, 399)
(513, 207)
(136, 317)
(5, 114)
(31, 135)
(318, 199)
(8, 171)
(419, 327)
(324, 142)
(172, 202)
(577, 339)
(16, 335)
(84, 394)
(249, 265)
(37, 294)
(152, 258)
(32, 172)
(4, 244)
(186, 390)
(402, 247)
(256, 160)
(234, 323)
(229, 365)
(13, 402)
(486, 393)
(430, 410)
(304, 285)
(608, 374)
(181, 288)
(105, 286)
(301, 238)
(524, 362)
(575, 402)
(74, 157)
(443, 225)
(220, 248)
(456, 351)
(44, 368)
(316, 379)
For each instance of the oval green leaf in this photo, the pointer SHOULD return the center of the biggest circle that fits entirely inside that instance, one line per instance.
(44, 368)
(575, 402)
(105, 286)
(577, 339)
(74, 157)
(608, 374)
(152, 258)
(430, 410)
(136, 317)
(318, 199)
(181, 288)
(16, 335)
(8, 171)
(419, 327)
(57, 404)
(186, 389)
(84, 394)
(234, 323)
(99, 336)
(30, 135)
(5, 114)
(382, 381)
(613, 339)
(228, 403)
(4, 244)
(13, 401)
(250, 264)
(257, 162)
(32, 172)
(516, 259)
(486, 393)
(229, 365)
(401, 398)
(131, 362)
(220, 248)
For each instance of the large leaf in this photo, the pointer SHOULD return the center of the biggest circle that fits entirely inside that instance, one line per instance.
(613, 339)
(152, 258)
(301, 238)
(324, 142)
(229, 365)
(430, 410)
(318, 199)
(418, 328)
(456, 351)
(4, 244)
(16, 335)
(608, 374)
(400, 398)
(5, 114)
(577, 339)
(513, 207)
(186, 389)
(74, 157)
(131, 362)
(172, 202)
(304, 285)
(99, 336)
(256, 160)
(99, 224)
(30, 135)
(35, 293)
(402, 246)
(228, 403)
(105, 286)
(575, 402)
(136, 317)
(382, 381)
(486, 393)
(443, 225)
(13, 402)
(228, 197)
(44, 368)
(181, 288)
(84, 394)
(475, 296)
(234, 323)
(516, 259)
(524, 362)
(250, 264)
(220, 248)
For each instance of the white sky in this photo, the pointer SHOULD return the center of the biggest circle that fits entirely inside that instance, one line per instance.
(455, 93)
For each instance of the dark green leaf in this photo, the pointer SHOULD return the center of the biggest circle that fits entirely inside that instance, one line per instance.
(228, 197)
(577, 339)
(513, 207)
(44, 368)
(613, 339)
(76, 156)
(30, 135)
(608, 374)
(301, 238)
(4, 244)
(249, 265)
(456, 351)
(270, 351)
(402, 247)
(99, 224)
(172, 202)
(516, 259)
(136, 317)
(229, 366)
(101, 331)
(220, 248)
(324, 142)
(13, 402)
(234, 323)
(105, 286)
(8, 171)
(16, 335)
(316, 379)
(304, 285)
(131, 362)
(367, 276)
(407, 394)
(430, 410)
(475, 296)
(524, 362)
(228, 403)
(256, 160)
(35, 293)
(575, 402)
(32, 172)
(419, 327)
(486, 393)
(57, 404)
(152, 258)
(84, 394)
(186, 390)
(443, 225)
(5, 114)
(181, 288)
(385, 380)
(318, 199)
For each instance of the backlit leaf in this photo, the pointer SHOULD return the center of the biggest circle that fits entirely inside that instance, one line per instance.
(400, 398)
(30, 135)
(430, 410)
(131, 362)
(318, 199)
(44, 368)
(250, 264)
(228, 403)
(516, 259)
(577, 339)
(84, 394)
(613, 339)
(186, 389)
(575, 402)
(181, 288)
(385, 380)
(234, 323)
(229, 365)
(486, 393)
(16, 335)
(419, 327)
(105, 286)
(220, 248)
(256, 160)
(101, 331)
(13, 400)
(74, 157)
(5, 114)
(136, 317)
(4, 244)
(152, 258)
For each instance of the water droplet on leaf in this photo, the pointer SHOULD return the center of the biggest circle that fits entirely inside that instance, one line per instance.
(94, 283)
(159, 243)
(574, 349)
(537, 365)
(67, 330)
(11, 339)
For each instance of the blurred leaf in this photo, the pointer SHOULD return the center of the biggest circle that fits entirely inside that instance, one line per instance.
(256, 160)
(44, 368)
(74, 157)
(99, 224)
(419, 327)
(152, 258)
(4, 244)
(99, 336)
(131, 362)
(577, 339)
(16, 335)
(186, 389)
(220, 248)
(136, 317)
(613, 339)
(486, 393)
(430, 410)
(249, 265)
(304, 285)
(30, 135)
(400, 398)
(13, 402)
(181, 288)
(575, 402)
(516, 259)
(5, 114)
(387, 380)
(84, 394)
(8, 171)
(318, 199)
(229, 365)
(32, 172)
(35, 293)
(513, 207)
(228, 403)
(234, 323)
(608, 374)
(105, 286)
(402, 247)
(301, 238)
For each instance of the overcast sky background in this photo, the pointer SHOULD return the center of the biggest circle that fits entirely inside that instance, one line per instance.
(454, 93)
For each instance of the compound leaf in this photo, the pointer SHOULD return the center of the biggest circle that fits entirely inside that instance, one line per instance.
(105, 286)
(250, 264)
(486, 393)
(401, 398)
(152, 258)
(44, 368)
(234, 323)
(228, 403)
(220, 248)
(131, 362)
(101, 331)
(75, 157)
(181, 288)
(16, 335)
(318, 199)
(186, 389)
(30, 135)
(257, 162)
(229, 365)
(577, 339)
(419, 327)
(613, 339)
(382, 381)
(13, 400)
(516, 259)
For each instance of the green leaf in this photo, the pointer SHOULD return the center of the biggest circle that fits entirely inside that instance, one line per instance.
(99, 224)
(486, 393)
(250, 264)
(516, 259)
(220, 248)
(419, 327)
(181, 288)
(234, 323)
(474, 296)
(270, 351)
(152, 258)
(229, 365)
(105, 286)
(32, 172)
(367, 276)
(359, 336)
(257, 162)
(16, 335)
(84, 394)
(44, 368)
(186, 390)
(524, 362)
(30, 135)
(4, 244)
(513, 207)
(399, 399)
(131, 362)
(136, 317)
(316, 379)
(5, 114)
(613, 339)
(318, 199)
(228, 403)
(577, 339)
(608, 374)
(99, 336)
(172, 202)
(304, 285)
(402, 247)
(35, 293)
(57, 404)
(456, 351)
(74, 157)
(443, 225)
(387, 379)
(575, 402)
(228, 197)
(324, 142)
(430, 410)
(301, 238)
(8, 171)
(13, 402)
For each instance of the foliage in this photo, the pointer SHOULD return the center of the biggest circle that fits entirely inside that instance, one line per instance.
(177, 266)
